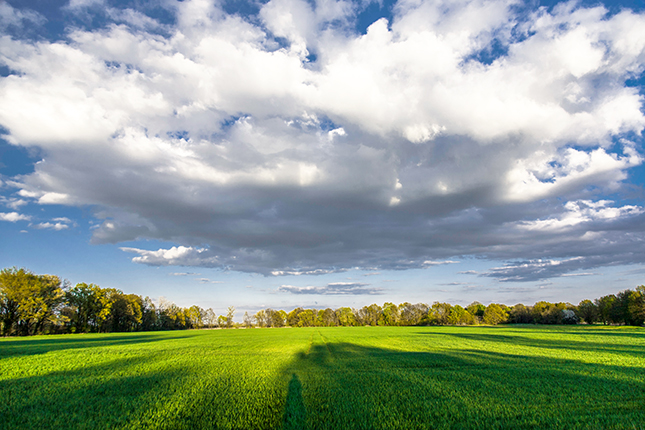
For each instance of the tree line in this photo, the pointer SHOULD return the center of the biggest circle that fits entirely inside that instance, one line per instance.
(626, 307)
(42, 304)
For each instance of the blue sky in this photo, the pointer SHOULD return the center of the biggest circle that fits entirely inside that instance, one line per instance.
(325, 153)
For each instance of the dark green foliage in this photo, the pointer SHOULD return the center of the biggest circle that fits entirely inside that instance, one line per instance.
(588, 311)
(520, 314)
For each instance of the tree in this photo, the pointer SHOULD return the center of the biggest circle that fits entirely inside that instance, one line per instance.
(369, 315)
(327, 317)
(637, 306)
(629, 307)
(230, 313)
(605, 305)
(520, 314)
(27, 301)
(11, 282)
(588, 311)
(261, 318)
(194, 314)
(391, 314)
(93, 306)
(222, 321)
(292, 317)
(476, 309)
(84, 299)
(460, 316)
(439, 313)
(276, 318)
(495, 314)
(248, 320)
(345, 317)
(125, 312)
(307, 318)
(412, 314)
(149, 318)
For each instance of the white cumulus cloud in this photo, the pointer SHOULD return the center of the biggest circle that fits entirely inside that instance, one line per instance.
(287, 143)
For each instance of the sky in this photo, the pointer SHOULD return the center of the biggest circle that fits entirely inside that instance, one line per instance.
(325, 153)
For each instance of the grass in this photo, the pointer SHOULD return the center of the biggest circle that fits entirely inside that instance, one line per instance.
(328, 378)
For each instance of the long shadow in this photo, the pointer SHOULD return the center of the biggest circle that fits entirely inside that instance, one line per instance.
(521, 339)
(330, 385)
(348, 386)
(21, 346)
(100, 396)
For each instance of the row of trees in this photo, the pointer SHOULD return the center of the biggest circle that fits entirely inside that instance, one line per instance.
(34, 304)
(627, 307)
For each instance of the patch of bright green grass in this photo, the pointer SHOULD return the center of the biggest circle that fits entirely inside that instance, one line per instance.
(328, 378)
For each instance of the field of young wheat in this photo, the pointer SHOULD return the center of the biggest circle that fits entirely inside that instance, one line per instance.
(328, 378)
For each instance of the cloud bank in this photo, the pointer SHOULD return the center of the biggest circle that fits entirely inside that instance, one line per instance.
(286, 142)
(334, 288)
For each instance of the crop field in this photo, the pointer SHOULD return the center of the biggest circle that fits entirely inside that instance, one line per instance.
(328, 378)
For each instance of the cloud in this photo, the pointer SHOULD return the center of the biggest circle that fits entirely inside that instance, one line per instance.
(183, 274)
(285, 143)
(175, 256)
(58, 226)
(17, 18)
(12, 203)
(335, 288)
(13, 217)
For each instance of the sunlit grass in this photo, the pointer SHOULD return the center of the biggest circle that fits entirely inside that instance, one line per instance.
(344, 377)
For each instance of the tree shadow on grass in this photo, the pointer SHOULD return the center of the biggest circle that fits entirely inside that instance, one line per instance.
(334, 385)
(107, 395)
(347, 386)
(21, 346)
(610, 345)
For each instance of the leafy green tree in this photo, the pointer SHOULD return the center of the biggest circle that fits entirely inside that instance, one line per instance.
(195, 316)
(126, 312)
(307, 318)
(495, 314)
(369, 315)
(222, 321)
(476, 309)
(605, 305)
(276, 318)
(292, 317)
(628, 308)
(390, 315)
(149, 317)
(520, 314)
(460, 316)
(327, 318)
(345, 317)
(11, 293)
(28, 302)
(439, 313)
(261, 318)
(637, 306)
(588, 311)
(92, 306)
(413, 314)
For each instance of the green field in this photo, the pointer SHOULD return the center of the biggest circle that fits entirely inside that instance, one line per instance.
(328, 378)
